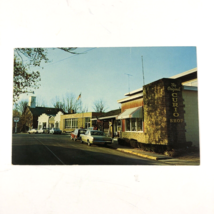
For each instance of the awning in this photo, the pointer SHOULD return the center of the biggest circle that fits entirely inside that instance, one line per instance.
(131, 113)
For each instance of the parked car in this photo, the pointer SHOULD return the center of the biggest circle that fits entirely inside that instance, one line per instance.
(95, 137)
(43, 130)
(55, 131)
(75, 135)
(32, 131)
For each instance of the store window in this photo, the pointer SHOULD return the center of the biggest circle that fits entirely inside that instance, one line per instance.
(56, 125)
(139, 124)
(128, 125)
(75, 123)
(134, 124)
(87, 122)
(67, 123)
(71, 123)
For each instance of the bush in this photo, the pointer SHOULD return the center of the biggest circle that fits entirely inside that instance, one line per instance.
(133, 143)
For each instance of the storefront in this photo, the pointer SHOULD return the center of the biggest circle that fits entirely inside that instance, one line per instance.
(164, 112)
(108, 123)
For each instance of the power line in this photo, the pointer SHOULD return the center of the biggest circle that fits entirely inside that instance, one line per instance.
(69, 57)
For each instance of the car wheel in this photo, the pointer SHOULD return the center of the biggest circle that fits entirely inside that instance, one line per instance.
(88, 143)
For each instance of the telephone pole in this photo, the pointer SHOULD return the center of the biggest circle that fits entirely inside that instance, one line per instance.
(143, 71)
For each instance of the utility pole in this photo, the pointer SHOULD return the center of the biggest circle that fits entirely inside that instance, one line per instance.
(128, 81)
(143, 71)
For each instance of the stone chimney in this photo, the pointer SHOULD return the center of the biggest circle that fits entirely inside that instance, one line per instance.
(32, 102)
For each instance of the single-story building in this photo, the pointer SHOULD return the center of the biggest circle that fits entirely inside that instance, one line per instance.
(69, 122)
(108, 123)
(46, 121)
(164, 112)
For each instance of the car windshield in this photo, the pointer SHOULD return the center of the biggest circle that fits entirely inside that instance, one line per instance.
(97, 133)
(82, 131)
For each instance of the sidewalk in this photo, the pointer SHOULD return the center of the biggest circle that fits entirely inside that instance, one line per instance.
(155, 156)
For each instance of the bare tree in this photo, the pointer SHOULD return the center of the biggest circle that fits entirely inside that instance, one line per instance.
(57, 103)
(70, 103)
(82, 109)
(99, 106)
(40, 102)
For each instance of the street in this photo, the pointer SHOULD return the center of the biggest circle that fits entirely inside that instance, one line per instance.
(47, 149)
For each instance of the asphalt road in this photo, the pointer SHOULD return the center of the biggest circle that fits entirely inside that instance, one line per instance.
(47, 149)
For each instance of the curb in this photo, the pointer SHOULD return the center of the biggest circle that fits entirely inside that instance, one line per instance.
(143, 155)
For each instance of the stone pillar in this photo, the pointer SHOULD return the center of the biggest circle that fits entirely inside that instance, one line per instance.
(163, 113)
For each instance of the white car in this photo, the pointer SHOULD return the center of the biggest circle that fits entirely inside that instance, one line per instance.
(95, 137)
(32, 131)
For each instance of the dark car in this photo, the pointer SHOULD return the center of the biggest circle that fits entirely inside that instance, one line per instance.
(75, 135)
(55, 131)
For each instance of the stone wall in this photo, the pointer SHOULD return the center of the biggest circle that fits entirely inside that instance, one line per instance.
(139, 136)
(163, 112)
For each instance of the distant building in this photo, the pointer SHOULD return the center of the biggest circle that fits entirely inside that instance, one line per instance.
(35, 112)
(108, 122)
(69, 122)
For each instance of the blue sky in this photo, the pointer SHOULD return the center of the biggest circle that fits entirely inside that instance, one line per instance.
(101, 73)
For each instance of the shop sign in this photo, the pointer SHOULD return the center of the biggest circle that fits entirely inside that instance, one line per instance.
(174, 92)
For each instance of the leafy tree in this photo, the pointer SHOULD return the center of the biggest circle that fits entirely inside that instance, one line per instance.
(24, 78)
(21, 110)
(99, 106)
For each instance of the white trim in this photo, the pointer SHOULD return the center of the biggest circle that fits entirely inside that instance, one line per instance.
(184, 73)
(190, 88)
(131, 98)
(134, 92)
(113, 116)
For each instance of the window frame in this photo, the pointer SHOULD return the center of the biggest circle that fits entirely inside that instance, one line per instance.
(136, 124)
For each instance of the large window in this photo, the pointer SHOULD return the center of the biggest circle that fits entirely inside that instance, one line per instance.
(71, 123)
(134, 124)
(128, 125)
(75, 123)
(67, 123)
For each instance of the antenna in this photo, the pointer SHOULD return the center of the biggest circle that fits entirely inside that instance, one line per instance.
(143, 71)
(128, 81)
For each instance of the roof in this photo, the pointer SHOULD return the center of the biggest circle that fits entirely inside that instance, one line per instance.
(37, 111)
(138, 93)
(136, 96)
(187, 75)
(134, 92)
(109, 114)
